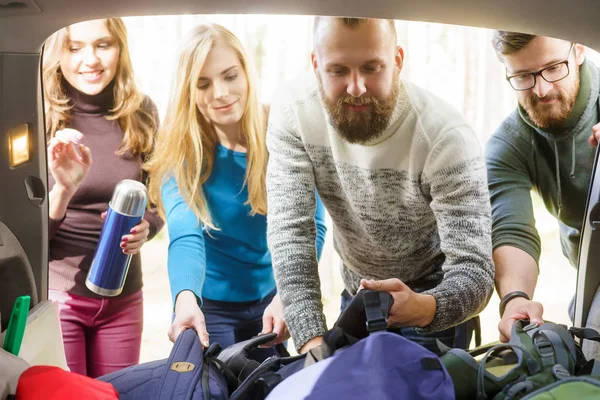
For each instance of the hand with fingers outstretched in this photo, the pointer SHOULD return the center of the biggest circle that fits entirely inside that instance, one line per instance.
(68, 167)
(273, 322)
(188, 315)
(410, 309)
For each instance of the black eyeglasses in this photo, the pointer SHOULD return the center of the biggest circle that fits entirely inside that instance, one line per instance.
(551, 73)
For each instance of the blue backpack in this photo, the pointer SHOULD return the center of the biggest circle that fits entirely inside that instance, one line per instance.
(189, 373)
(382, 366)
(357, 360)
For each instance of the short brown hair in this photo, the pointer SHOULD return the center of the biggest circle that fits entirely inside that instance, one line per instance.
(507, 43)
(351, 23)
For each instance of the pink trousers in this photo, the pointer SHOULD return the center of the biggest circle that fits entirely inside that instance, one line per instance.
(100, 335)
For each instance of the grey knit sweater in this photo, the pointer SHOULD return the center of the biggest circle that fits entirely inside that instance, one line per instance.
(413, 205)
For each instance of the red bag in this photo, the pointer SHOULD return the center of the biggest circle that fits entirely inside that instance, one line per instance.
(53, 383)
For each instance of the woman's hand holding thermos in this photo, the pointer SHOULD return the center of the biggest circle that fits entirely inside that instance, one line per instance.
(138, 235)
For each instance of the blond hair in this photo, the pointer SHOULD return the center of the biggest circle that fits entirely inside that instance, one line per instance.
(137, 123)
(186, 141)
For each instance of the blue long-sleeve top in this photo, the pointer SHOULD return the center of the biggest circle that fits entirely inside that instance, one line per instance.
(232, 263)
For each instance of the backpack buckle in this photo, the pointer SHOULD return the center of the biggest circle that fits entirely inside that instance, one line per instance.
(379, 324)
(529, 327)
(376, 317)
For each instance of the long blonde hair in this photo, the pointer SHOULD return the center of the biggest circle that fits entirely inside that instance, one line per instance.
(186, 141)
(137, 123)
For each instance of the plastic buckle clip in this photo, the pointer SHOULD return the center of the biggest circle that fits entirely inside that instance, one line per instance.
(378, 324)
(529, 327)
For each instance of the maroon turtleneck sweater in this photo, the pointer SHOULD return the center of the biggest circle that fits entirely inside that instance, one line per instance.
(73, 240)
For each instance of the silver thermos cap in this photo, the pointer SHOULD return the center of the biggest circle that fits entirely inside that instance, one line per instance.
(129, 198)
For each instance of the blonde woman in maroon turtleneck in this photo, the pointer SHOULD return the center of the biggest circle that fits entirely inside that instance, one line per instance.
(94, 111)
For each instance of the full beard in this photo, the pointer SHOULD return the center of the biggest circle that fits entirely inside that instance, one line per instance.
(550, 116)
(360, 127)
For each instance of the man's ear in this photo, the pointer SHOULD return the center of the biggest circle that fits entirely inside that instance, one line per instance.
(399, 58)
(579, 53)
(313, 61)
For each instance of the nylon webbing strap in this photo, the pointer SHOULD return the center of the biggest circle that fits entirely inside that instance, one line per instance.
(561, 350)
(375, 311)
(544, 348)
(585, 333)
(184, 366)
(550, 346)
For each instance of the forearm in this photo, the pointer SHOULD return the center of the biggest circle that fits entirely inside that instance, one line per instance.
(58, 201)
(186, 266)
(300, 291)
(184, 300)
(460, 296)
(515, 270)
(462, 210)
(187, 253)
(291, 234)
(291, 238)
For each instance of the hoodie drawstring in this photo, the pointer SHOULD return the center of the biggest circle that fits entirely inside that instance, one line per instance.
(573, 159)
(557, 167)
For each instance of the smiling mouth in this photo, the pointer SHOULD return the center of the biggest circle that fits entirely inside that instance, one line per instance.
(225, 107)
(91, 75)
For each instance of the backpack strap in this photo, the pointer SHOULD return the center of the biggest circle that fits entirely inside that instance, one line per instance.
(377, 308)
(554, 345)
(263, 379)
(532, 365)
(282, 350)
(551, 342)
(584, 367)
(236, 359)
(205, 381)
(591, 368)
(210, 355)
(184, 366)
(585, 333)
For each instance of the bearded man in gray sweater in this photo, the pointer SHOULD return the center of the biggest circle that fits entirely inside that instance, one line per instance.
(402, 177)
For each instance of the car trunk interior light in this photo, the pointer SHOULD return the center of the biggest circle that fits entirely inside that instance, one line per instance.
(19, 145)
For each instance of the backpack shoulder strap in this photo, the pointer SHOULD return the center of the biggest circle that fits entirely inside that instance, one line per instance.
(585, 333)
(377, 309)
(554, 345)
(235, 357)
(184, 366)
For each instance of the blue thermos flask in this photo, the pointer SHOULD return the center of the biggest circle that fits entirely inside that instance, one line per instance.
(110, 265)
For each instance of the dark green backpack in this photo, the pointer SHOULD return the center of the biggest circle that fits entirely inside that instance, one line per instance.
(538, 361)
(577, 387)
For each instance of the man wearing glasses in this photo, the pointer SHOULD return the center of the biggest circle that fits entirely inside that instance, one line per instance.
(543, 145)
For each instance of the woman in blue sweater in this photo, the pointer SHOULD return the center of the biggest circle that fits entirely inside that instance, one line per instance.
(208, 176)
